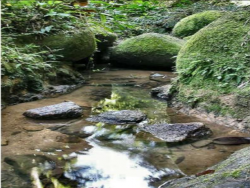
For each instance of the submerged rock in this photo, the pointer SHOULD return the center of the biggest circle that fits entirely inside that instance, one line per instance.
(22, 164)
(148, 50)
(233, 172)
(57, 111)
(178, 132)
(162, 92)
(119, 117)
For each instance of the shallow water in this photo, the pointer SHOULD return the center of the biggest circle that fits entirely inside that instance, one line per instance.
(121, 156)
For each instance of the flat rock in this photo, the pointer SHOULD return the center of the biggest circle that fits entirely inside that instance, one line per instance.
(58, 111)
(178, 132)
(162, 92)
(119, 117)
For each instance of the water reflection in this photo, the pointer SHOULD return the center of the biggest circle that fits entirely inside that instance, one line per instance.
(103, 167)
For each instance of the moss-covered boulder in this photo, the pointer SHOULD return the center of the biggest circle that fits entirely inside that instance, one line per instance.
(233, 172)
(74, 46)
(71, 45)
(148, 50)
(217, 56)
(191, 24)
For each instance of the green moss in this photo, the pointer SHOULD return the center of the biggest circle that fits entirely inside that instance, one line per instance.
(191, 24)
(217, 57)
(234, 174)
(147, 50)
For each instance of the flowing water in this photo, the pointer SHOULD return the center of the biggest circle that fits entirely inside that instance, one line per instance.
(111, 156)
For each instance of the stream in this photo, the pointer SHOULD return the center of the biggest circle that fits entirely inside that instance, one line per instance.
(98, 155)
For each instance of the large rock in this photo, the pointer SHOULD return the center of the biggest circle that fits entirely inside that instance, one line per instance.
(119, 117)
(148, 50)
(57, 111)
(231, 173)
(178, 132)
(215, 53)
(191, 24)
(72, 45)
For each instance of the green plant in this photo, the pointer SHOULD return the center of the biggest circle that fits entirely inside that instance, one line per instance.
(40, 17)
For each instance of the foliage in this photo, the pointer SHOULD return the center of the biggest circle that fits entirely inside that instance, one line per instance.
(40, 17)
(131, 18)
(24, 60)
(30, 62)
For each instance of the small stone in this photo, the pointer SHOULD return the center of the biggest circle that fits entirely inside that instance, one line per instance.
(4, 142)
(162, 92)
(179, 160)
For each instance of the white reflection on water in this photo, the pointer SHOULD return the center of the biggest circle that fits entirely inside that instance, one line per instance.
(107, 168)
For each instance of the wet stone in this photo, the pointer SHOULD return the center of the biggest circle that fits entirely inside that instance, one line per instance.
(58, 111)
(119, 117)
(179, 132)
(162, 92)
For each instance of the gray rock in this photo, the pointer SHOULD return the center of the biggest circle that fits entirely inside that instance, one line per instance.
(232, 173)
(162, 92)
(57, 111)
(178, 132)
(119, 117)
